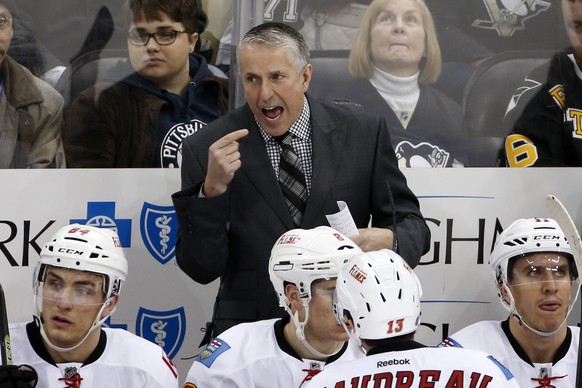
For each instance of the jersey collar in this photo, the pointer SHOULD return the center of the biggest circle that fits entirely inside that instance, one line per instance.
(33, 333)
(286, 347)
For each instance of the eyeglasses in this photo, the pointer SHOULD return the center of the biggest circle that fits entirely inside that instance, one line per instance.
(5, 21)
(162, 37)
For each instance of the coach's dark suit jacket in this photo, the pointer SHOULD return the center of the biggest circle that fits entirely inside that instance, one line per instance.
(231, 236)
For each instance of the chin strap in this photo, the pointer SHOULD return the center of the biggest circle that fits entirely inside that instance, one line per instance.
(538, 332)
(300, 333)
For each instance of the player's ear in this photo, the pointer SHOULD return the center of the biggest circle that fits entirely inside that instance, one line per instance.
(503, 292)
(295, 301)
(291, 292)
(110, 305)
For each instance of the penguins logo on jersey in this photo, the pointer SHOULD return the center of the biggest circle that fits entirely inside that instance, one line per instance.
(420, 155)
(508, 16)
(171, 150)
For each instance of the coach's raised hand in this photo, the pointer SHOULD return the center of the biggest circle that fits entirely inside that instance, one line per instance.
(223, 162)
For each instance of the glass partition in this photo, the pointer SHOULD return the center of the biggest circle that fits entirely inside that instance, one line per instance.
(479, 73)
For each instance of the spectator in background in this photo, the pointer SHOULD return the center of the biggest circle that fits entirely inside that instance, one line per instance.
(331, 24)
(395, 58)
(286, 352)
(324, 24)
(544, 117)
(24, 47)
(236, 198)
(471, 30)
(30, 110)
(76, 285)
(377, 301)
(69, 28)
(67, 31)
(142, 120)
(538, 283)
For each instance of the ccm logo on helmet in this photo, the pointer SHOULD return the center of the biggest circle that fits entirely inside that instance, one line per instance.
(547, 237)
(70, 251)
(357, 274)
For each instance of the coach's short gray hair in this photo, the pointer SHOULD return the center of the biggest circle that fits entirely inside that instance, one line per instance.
(278, 35)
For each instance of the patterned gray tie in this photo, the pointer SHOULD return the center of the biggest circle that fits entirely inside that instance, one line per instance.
(291, 178)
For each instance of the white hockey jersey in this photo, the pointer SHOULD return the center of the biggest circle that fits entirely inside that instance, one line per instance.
(410, 364)
(495, 338)
(257, 355)
(121, 360)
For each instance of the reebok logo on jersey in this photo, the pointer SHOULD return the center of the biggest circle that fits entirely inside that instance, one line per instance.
(214, 349)
(405, 361)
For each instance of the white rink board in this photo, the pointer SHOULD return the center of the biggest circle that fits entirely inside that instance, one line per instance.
(462, 207)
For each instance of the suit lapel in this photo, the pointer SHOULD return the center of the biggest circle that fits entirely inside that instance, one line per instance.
(328, 139)
(258, 169)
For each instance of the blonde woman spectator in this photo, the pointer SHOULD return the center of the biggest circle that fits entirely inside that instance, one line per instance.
(395, 58)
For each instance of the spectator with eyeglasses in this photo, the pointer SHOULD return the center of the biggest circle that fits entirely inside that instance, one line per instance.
(170, 94)
(30, 110)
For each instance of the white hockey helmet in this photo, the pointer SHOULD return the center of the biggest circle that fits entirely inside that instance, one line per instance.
(525, 236)
(302, 256)
(85, 248)
(82, 248)
(382, 295)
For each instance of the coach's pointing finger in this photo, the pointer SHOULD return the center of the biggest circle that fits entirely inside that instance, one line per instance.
(223, 162)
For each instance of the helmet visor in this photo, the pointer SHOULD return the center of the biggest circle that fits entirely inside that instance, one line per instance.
(541, 268)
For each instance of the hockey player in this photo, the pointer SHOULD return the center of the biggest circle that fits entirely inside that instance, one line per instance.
(377, 301)
(76, 288)
(289, 351)
(537, 281)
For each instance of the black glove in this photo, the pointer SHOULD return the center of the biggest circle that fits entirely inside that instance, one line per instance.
(17, 376)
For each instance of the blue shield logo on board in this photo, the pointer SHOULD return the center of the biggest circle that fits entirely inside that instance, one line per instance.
(164, 328)
(159, 231)
(102, 215)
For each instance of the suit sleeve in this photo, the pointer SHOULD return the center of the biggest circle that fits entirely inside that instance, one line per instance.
(391, 197)
(202, 247)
